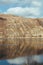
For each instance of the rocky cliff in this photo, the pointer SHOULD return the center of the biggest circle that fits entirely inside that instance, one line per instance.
(20, 36)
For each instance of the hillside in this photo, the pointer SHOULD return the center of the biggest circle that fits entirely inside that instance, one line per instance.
(20, 36)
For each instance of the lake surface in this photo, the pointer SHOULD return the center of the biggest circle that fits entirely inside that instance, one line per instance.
(22, 60)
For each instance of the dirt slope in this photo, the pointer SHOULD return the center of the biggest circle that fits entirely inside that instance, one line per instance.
(20, 36)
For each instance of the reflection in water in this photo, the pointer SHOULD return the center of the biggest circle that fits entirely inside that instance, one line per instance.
(23, 60)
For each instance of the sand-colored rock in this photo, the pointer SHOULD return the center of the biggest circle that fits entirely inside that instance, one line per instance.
(20, 36)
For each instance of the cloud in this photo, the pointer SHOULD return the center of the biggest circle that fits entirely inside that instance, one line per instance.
(38, 58)
(36, 3)
(20, 60)
(14, 1)
(25, 8)
(25, 12)
(21, 2)
(26, 59)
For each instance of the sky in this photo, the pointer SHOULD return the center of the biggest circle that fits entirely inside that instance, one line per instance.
(25, 8)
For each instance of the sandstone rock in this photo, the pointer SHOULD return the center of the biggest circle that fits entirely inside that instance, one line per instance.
(20, 36)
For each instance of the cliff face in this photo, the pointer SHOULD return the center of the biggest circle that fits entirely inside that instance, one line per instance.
(20, 36)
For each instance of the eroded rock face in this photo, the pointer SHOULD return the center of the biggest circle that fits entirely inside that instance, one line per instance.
(20, 36)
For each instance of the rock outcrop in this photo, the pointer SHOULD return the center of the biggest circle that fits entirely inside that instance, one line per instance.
(20, 36)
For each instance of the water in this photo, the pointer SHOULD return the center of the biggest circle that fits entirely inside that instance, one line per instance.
(23, 60)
